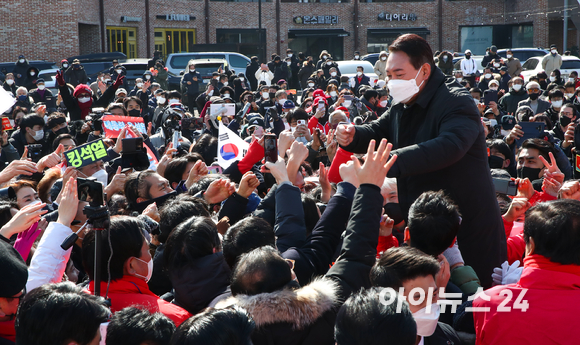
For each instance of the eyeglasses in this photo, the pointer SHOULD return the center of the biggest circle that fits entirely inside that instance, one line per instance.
(290, 263)
(17, 297)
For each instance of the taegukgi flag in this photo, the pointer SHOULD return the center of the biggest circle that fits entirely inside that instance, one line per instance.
(230, 147)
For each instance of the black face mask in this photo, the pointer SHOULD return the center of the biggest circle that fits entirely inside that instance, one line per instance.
(530, 173)
(160, 201)
(393, 210)
(468, 57)
(534, 96)
(565, 121)
(63, 130)
(272, 95)
(134, 112)
(495, 162)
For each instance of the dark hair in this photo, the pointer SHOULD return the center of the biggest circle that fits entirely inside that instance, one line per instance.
(173, 94)
(400, 264)
(557, 93)
(476, 89)
(364, 319)
(370, 94)
(416, 47)
(297, 114)
(229, 326)
(60, 138)
(501, 146)
(247, 234)
(557, 73)
(126, 239)
(19, 109)
(135, 326)
(543, 146)
(194, 238)
(433, 222)
(555, 228)
(541, 117)
(262, 270)
(31, 120)
(175, 169)
(5, 214)
(206, 146)
(311, 216)
(118, 106)
(136, 186)
(569, 84)
(176, 210)
(58, 314)
(132, 98)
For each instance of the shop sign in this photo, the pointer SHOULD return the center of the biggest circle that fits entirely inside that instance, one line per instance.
(316, 20)
(397, 16)
(176, 17)
(126, 19)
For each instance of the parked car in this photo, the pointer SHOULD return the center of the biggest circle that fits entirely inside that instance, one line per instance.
(135, 69)
(7, 67)
(523, 54)
(372, 58)
(533, 66)
(177, 62)
(49, 76)
(348, 68)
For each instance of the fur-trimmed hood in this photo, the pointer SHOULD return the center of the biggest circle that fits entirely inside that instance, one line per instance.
(300, 307)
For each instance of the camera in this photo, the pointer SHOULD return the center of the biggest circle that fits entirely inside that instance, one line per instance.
(89, 189)
(134, 155)
(34, 152)
(96, 119)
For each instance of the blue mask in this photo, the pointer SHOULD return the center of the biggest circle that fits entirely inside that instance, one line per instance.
(22, 98)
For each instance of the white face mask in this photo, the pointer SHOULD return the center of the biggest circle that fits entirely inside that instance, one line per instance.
(242, 79)
(476, 101)
(174, 101)
(557, 104)
(161, 100)
(209, 93)
(147, 77)
(329, 63)
(552, 78)
(9, 81)
(288, 63)
(333, 74)
(403, 90)
(554, 51)
(572, 79)
(517, 87)
(384, 104)
(21, 60)
(32, 74)
(290, 55)
(310, 84)
(282, 101)
(509, 56)
(106, 80)
(333, 93)
(488, 76)
(459, 80)
(192, 70)
(226, 83)
(227, 95)
(38, 135)
(427, 322)
(139, 85)
(359, 73)
(383, 58)
(356, 57)
(346, 104)
(569, 95)
(41, 87)
(102, 177)
(505, 133)
(64, 66)
(149, 269)
(496, 64)
(84, 99)
(265, 95)
(118, 71)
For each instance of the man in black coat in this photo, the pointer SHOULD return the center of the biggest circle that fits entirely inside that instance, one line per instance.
(20, 68)
(251, 69)
(437, 134)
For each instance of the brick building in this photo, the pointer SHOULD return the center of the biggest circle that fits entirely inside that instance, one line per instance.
(55, 29)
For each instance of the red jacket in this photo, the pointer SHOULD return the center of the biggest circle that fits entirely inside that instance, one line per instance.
(553, 298)
(129, 291)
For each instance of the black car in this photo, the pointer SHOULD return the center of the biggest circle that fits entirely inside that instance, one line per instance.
(7, 67)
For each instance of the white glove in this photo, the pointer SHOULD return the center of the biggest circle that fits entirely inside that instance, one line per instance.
(507, 274)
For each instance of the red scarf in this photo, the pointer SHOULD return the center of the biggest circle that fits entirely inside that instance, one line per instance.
(85, 108)
(542, 262)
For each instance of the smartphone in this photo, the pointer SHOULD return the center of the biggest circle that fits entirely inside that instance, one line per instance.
(214, 169)
(34, 152)
(132, 145)
(489, 96)
(175, 139)
(320, 105)
(531, 130)
(270, 148)
(301, 122)
(505, 186)
(347, 97)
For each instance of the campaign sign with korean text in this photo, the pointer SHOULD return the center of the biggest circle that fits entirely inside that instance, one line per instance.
(86, 154)
(112, 124)
(6, 124)
(231, 147)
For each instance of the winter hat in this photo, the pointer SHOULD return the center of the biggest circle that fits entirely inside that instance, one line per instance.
(81, 88)
(508, 122)
(14, 270)
(288, 105)
(256, 119)
(318, 93)
(281, 81)
(120, 90)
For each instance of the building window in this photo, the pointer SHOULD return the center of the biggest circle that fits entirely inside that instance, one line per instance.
(478, 38)
(122, 39)
(169, 41)
(247, 41)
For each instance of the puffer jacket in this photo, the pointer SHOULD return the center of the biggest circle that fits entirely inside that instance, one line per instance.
(381, 66)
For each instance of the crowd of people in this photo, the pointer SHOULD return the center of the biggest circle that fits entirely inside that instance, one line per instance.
(429, 206)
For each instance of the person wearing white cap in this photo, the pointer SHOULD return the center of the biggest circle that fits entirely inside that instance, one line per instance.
(469, 67)
(533, 101)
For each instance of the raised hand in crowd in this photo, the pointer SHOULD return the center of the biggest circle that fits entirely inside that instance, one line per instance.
(23, 219)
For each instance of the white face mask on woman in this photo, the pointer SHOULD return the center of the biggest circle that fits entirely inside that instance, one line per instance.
(149, 270)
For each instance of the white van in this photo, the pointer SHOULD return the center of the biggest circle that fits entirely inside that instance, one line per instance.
(177, 62)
